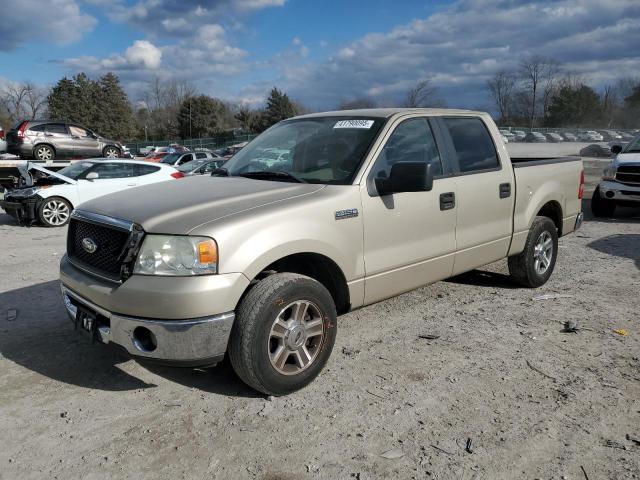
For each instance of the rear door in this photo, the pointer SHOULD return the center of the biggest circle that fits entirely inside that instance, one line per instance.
(84, 143)
(57, 134)
(112, 177)
(485, 192)
(184, 159)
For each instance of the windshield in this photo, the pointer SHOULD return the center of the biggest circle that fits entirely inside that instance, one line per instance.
(171, 158)
(193, 164)
(326, 150)
(633, 146)
(74, 170)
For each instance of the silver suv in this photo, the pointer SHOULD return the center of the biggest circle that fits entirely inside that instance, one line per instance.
(46, 140)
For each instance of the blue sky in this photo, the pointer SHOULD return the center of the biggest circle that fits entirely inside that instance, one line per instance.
(321, 52)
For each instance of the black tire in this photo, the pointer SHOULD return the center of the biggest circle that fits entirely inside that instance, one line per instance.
(602, 207)
(47, 212)
(44, 152)
(111, 152)
(522, 267)
(250, 342)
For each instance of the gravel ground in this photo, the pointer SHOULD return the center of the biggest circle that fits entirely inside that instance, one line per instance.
(501, 393)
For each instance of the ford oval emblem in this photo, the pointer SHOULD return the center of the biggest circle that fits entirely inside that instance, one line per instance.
(89, 245)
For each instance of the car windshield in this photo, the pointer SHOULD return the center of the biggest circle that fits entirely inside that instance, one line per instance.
(192, 165)
(74, 170)
(171, 158)
(327, 150)
(633, 146)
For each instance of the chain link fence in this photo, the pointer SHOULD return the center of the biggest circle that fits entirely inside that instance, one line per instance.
(211, 143)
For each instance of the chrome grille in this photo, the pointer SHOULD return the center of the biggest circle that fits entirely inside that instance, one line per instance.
(628, 174)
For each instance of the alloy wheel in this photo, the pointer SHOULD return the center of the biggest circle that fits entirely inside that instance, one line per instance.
(296, 337)
(543, 253)
(55, 212)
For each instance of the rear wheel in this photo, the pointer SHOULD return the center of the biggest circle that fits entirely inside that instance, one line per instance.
(111, 152)
(533, 267)
(54, 212)
(601, 207)
(283, 334)
(44, 153)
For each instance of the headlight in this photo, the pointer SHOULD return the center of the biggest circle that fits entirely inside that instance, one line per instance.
(609, 173)
(25, 192)
(174, 255)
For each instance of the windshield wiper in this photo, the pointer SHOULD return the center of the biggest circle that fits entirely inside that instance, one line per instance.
(272, 175)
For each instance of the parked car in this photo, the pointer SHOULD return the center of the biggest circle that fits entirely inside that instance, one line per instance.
(620, 183)
(553, 137)
(508, 134)
(519, 135)
(159, 153)
(144, 151)
(261, 261)
(610, 135)
(177, 159)
(589, 136)
(45, 140)
(201, 166)
(126, 152)
(596, 150)
(49, 197)
(3, 141)
(569, 137)
(228, 152)
(626, 136)
(535, 137)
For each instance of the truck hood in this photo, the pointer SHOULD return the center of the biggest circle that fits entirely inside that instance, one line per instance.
(179, 206)
(624, 158)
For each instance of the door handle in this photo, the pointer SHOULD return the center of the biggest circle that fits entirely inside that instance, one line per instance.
(505, 190)
(447, 201)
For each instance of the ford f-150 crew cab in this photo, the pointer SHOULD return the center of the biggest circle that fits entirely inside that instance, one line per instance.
(621, 181)
(258, 259)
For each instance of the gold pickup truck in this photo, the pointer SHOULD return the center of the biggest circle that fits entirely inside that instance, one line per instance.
(319, 215)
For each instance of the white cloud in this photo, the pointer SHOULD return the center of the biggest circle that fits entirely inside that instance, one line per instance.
(62, 23)
(144, 53)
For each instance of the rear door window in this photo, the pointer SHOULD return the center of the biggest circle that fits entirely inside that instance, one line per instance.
(60, 128)
(473, 144)
(201, 155)
(141, 170)
(38, 128)
(114, 170)
(185, 159)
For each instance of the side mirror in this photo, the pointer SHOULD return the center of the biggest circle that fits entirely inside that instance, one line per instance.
(91, 176)
(406, 177)
(616, 149)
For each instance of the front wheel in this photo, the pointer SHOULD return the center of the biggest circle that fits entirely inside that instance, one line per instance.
(533, 267)
(283, 334)
(111, 152)
(54, 212)
(601, 207)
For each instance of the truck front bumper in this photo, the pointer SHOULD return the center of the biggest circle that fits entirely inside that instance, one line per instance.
(190, 343)
(612, 190)
(184, 321)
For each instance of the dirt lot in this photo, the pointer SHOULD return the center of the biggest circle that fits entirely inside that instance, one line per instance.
(534, 402)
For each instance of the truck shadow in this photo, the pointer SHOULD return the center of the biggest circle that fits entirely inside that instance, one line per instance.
(621, 215)
(482, 278)
(35, 333)
(624, 245)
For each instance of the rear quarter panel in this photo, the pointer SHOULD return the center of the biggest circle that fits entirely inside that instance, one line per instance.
(539, 184)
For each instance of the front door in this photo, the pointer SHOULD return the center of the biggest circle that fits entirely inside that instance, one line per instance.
(85, 145)
(409, 238)
(112, 177)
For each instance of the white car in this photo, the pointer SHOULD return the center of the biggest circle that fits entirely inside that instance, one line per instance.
(589, 136)
(508, 134)
(49, 197)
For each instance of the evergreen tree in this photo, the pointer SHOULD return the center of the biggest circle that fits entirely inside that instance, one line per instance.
(115, 117)
(279, 107)
(574, 105)
(201, 116)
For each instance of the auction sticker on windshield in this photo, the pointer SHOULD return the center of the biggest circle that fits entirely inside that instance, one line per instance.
(353, 124)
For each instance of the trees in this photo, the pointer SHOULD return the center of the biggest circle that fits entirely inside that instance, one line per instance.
(423, 95)
(575, 105)
(357, 103)
(501, 88)
(538, 77)
(278, 107)
(201, 116)
(101, 105)
(22, 100)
